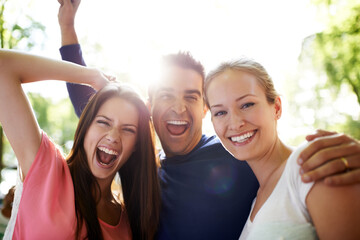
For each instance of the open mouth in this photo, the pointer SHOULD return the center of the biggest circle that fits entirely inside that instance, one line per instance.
(243, 138)
(177, 127)
(106, 156)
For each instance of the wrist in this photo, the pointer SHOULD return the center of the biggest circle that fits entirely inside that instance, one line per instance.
(91, 75)
(68, 36)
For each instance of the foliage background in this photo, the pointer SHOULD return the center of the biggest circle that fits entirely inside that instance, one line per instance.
(319, 82)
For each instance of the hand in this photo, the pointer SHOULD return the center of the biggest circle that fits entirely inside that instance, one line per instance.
(101, 79)
(319, 133)
(66, 17)
(67, 12)
(322, 159)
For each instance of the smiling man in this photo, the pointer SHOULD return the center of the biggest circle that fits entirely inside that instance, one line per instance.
(177, 105)
(206, 193)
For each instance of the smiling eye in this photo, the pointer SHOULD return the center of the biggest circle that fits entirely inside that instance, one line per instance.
(165, 96)
(219, 113)
(192, 98)
(102, 122)
(130, 130)
(247, 105)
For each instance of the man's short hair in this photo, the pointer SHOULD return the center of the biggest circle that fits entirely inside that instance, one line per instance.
(182, 59)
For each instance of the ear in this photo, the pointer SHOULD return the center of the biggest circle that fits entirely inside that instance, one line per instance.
(205, 111)
(148, 105)
(278, 108)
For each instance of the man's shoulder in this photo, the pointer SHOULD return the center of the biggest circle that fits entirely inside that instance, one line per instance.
(211, 146)
(209, 141)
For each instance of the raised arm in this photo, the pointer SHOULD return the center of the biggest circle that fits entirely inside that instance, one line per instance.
(71, 51)
(16, 115)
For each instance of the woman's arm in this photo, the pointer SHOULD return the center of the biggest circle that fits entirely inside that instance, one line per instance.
(335, 211)
(16, 115)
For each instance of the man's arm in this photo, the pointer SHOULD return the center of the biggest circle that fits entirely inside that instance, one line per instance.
(331, 156)
(71, 51)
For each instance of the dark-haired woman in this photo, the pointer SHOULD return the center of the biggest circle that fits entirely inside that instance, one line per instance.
(71, 198)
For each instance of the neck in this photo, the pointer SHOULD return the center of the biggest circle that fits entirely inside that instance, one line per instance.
(105, 190)
(270, 163)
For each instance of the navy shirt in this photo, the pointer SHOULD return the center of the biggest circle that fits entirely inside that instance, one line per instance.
(206, 194)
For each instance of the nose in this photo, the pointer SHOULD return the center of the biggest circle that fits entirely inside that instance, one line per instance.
(179, 106)
(236, 121)
(113, 136)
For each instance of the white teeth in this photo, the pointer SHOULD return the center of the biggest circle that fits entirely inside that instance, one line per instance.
(108, 151)
(104, 164)
(243, 137)
(177, 122)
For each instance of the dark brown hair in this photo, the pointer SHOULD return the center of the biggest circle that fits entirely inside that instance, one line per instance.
(139, 180)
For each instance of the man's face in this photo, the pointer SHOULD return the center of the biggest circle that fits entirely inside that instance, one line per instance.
(177, 109)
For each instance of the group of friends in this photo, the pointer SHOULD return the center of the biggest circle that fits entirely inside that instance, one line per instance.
(244, 183)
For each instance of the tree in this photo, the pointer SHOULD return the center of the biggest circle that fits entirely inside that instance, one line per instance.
(334, 54)
(336, 50)
(47, 112)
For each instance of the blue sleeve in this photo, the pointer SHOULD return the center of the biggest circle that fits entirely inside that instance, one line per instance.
(79, 94)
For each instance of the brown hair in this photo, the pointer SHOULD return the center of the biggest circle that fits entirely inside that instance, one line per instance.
(246, 65)
(181, 59)
(139, 180)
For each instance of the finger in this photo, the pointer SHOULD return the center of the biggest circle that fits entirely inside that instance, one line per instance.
(354, 160)
(351, 177)
(349, 150)
(331, 168)
(319, 133)
(322, 143)
(61, 2)
(111, 78)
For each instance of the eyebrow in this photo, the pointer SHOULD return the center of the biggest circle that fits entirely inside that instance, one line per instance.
(103, 117)
(236, 100)
(190, 91)
(126, 124)
(197, 92)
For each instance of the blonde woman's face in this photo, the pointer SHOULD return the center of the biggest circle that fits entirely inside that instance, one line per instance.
(242, 117)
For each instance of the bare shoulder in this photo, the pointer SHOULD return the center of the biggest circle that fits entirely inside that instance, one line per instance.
(335, 210)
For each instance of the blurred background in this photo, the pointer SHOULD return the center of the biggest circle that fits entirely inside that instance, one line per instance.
(311, 48)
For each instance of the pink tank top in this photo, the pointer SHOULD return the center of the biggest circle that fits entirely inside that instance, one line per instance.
(47, 205)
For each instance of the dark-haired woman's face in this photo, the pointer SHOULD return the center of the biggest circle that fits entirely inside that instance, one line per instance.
(111, 137)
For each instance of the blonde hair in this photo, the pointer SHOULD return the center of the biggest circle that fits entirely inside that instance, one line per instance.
(246, 65)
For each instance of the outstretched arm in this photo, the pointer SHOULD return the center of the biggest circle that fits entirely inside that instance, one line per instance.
(16, 115)
(71, 51)
(332, 156)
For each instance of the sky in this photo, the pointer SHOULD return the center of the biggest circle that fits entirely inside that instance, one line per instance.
(128, 37)
(132, 34)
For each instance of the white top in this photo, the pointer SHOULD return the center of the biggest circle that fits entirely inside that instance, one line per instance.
(284, 215)
(17, 197)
